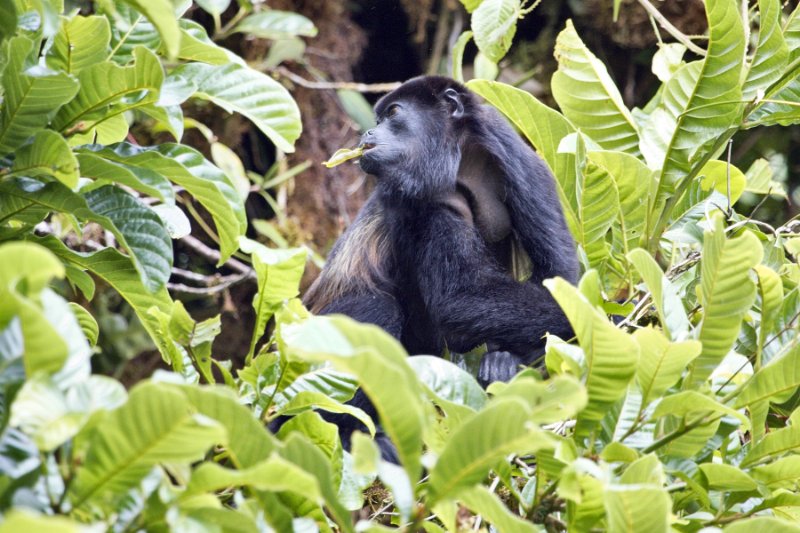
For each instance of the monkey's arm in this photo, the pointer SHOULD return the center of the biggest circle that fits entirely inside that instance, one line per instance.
(471, 299)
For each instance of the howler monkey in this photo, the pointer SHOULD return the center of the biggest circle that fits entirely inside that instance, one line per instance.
(429, 258)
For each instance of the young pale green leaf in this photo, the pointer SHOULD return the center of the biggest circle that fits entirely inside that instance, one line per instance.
(238, 88)
(161, 14)
(634, 182)
(781, 474)
(274, 474)
(556, 399)
(196, 46)
(770, 289)
(25, 269)
(727, 478)
(31, 95)
(544, 128)
(611, 354)
(214, 7)
(494, 24)
(644, 470)
(108, 90)
(724, 178)
(447, 381)
(727, 294)
(771, 54)
(668, 304)
(275, 24)
(87, 322)
(760, 179)
(588, 96)
(308, 400)
(763, 523)
(635, 508)
(598, 207)
(379, 363)
(118, 271)
(80, 42)
(689, 402)
(138, 229)
(458, 56)
(777, 378)
(156, 425)
(278, 273)
(50, 155)
(21, 519)
(667, 60)
(661, 363)
(709, 105)
(775, 443)
(477, 445)
(481, 501)
(187, 168)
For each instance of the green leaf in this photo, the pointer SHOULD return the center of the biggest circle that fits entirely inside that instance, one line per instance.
(588, 96)
(32, 95)
(274, 474)
(118, 271)
(556, 399)
(778, 377)
(708, 105)
(760, 179)
(783, 473)
(688, 402)
(278, 272)
(196, 46)
(156, 425)
(544, 128)
(635, 508)
(21, 519)
(611, 354)
(237, 88)
(494, 24)
(447, 381)
(458, 56)
(25, 270)
(8, 21)
(487, 504)
(307, 400)
(50, 155)
(770, 289)
(480, 443)
(379, 362)
(775, 443)
(727, 478)
(80, 42)
(138, 229)
(108, 90)
(187, 168)
(161, 14)
(129, 29)
(763, 523)
(661, 363)
(727, 294)
(141, 179)
(275, 24)
(771, 54)
(665, 297)
(715, 174)
(214, 7)
(87, 322)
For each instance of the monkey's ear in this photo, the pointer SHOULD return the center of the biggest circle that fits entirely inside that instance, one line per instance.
(454, 101)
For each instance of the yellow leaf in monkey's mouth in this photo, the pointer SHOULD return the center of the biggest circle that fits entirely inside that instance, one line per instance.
(342, 155)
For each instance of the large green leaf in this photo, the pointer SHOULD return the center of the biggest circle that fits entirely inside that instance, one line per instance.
(772, 53)
(661, 363)
(237, 88)
(138, 178)
(196, 46)
(779, 377)
(775, 443)
(665, 297)
(494, 24)
(480, 443)
(588, 96)
(379, 362)
(157, 424)
(108, 90)
(637, 508)
(727, 292)
(25, 270)
(611, 354)
(118, 271)
(50, 155)
(704, 108)
(32, 95)
(161, 14)
(544, 128)
(80, 42)
(275, 24)
(187, 168)
(488, 505)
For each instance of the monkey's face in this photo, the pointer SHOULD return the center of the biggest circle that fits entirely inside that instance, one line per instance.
(412, 150)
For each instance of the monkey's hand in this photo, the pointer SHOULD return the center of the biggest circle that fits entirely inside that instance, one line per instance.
(499, 366)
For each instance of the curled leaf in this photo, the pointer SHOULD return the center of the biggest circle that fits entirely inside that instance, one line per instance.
(342, 155)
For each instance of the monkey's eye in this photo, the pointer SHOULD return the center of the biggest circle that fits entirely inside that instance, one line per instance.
(393, 110)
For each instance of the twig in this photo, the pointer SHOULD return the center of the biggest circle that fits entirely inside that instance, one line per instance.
(672, 30)
(335, 85)
(213, 256)
(223, 283)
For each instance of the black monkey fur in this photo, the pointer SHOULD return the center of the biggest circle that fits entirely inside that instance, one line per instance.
(429, 257)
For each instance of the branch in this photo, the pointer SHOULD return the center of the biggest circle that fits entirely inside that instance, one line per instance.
(327, 85)
(672, 30)
(213, 256)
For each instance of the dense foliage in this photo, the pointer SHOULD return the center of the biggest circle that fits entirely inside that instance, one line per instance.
(681, 416)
